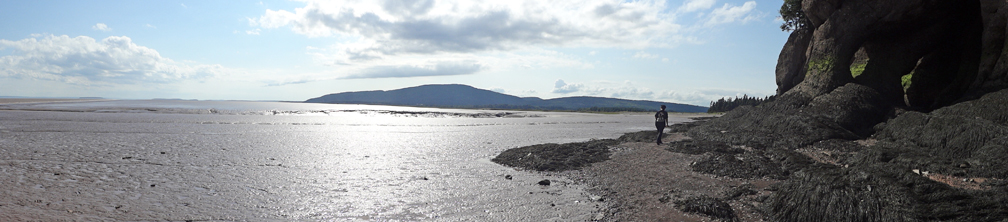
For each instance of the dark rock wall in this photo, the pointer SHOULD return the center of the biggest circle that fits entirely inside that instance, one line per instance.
(993, 73)
(955, 49)
(791, 63)
(934, 151)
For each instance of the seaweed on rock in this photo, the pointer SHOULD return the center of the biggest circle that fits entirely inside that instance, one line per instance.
(830, 193)
(885, 178)
(708, 206)
(556, 157)
(647, 136)
(695, 147)
(944, 142)
(746, 165)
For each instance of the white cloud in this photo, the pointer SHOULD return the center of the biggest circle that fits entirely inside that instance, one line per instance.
(101, 27)
(253, 32)
(390, 33)
(635, 91)
(150, 26)
(184, 6)
(430, 27)
(729, 13)
(83, 60)
(375, 36)
(645, 55)
(626, 90)
(695, 5)
(446, 68)
(346, 63)
(630, 92)
(664, 60)
(562, 87)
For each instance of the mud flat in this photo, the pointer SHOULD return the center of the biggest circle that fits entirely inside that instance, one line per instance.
(162, 165)
(34, 100)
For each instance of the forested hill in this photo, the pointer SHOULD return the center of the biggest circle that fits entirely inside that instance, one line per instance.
(463, 96)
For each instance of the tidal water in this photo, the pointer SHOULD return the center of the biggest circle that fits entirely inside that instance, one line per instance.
(232, 160)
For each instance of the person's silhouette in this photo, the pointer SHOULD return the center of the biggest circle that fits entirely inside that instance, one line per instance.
(661, 120)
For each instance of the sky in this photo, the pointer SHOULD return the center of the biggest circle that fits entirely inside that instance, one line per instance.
(691, 51)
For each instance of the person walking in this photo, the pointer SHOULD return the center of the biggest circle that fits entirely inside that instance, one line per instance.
(661, 120)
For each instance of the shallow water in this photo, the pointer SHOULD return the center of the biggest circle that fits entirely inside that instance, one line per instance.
(220, 160)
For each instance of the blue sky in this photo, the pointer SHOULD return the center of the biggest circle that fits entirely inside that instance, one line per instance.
(691, 51)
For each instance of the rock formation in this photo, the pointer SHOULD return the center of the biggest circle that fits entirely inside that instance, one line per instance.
(907, 98)
(886, 111)
(954, 49)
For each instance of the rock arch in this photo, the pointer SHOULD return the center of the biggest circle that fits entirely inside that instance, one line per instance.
(955, 50)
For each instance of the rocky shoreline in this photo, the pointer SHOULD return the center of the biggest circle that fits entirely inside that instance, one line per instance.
(637, 180)
(885, 111)
(945, 165)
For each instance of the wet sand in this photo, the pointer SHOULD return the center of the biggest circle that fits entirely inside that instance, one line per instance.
(33, 100)
(642, 182)
(95, 166)
(98, 166)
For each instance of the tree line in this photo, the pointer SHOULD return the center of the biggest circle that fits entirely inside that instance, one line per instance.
(727, 104)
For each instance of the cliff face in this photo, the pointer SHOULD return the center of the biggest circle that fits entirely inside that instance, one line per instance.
(954, 49)
(874, 95)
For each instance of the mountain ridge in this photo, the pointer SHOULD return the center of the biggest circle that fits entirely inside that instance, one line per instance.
(465, 96)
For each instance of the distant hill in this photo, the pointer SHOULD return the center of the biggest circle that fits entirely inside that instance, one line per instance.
(463, 96)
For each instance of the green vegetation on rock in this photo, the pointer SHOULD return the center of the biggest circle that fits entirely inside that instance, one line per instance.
(821, 65)
(856, 69)
(905, 81)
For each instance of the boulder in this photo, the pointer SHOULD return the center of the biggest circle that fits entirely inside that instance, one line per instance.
(544, 182)
(791, 62)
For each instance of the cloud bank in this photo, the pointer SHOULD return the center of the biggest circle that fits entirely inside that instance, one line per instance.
(427, 26)
(631, 90)
(377, 35)
(83, 60)
(380, 34)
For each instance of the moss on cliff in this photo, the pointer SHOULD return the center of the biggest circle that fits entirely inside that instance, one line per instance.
(820, 65)
(905, 81)
(857, 69)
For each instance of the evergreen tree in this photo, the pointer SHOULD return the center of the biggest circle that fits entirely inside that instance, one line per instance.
(729, 103)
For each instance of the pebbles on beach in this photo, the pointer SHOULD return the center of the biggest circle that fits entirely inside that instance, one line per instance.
(544, 182)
